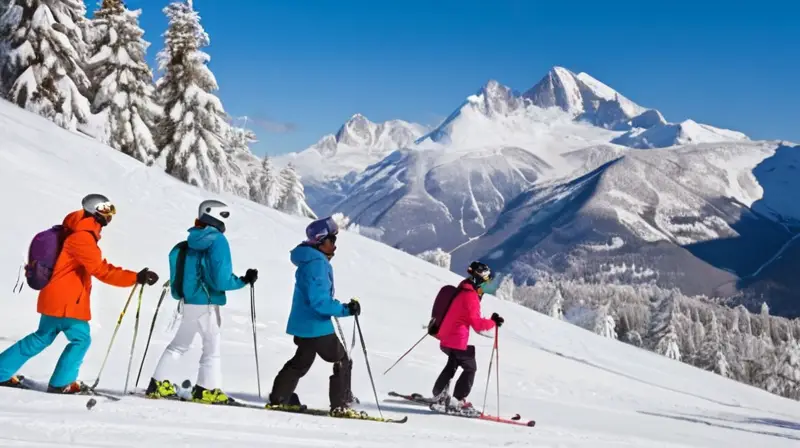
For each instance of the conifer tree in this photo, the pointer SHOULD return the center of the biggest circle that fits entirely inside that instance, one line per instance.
(42, 58)
(294, 198)
(122, 82)
(191, 133)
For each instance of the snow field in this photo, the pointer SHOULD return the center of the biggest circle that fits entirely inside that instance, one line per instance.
(583, 390)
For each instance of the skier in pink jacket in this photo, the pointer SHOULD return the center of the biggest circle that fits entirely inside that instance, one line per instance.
(453, 335)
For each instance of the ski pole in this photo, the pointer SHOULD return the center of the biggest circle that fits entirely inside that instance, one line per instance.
(255, 344)
(114, 335)
(344, 340)
(133, 342)
(369, 370)
(152, 325)
(497, 365)
(407, 352)
(489, 376)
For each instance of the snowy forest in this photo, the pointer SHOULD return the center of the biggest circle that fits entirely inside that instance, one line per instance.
(90, 75)
(753, 348)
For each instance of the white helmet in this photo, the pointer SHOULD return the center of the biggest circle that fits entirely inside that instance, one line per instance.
(100, 207)
(214, 213)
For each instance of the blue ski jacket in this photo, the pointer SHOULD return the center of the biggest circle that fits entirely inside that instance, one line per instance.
(208, 271)
(313, 304)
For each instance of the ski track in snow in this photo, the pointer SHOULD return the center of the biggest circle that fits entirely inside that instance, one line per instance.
(583, 390)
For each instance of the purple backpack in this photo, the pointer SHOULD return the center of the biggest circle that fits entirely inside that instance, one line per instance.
(440, 307)
(42, 255)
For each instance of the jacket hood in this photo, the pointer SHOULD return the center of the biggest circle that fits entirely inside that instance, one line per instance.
(303, 254)
(201, 238)
(79, 221)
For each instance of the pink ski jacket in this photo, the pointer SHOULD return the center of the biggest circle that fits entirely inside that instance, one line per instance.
(464, 312)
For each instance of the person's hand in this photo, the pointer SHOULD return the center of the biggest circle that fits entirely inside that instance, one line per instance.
(146, 276)
(354, 307)
(250, 276)
(497, 319)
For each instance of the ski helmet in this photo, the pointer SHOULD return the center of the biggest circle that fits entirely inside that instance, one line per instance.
(318, 230)
(480, 273)
(100, 207)
(213, 213)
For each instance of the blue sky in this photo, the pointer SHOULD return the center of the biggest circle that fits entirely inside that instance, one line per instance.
(301, 68)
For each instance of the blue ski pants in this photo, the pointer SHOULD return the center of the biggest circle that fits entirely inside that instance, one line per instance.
(66, 371)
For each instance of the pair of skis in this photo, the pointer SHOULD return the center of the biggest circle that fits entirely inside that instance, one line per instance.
(435, 407)
(294, 409)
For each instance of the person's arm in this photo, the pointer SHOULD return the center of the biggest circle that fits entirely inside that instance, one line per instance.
(221, 275)
(477, 322)
(83, 248)
(319, 291)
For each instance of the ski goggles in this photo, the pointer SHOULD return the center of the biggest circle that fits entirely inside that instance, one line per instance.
(106, 210)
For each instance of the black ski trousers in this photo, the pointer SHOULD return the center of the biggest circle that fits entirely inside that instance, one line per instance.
(455, 359)
(330, 349)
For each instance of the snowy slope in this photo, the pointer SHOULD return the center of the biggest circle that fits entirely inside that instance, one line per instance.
(583, 390)
(674, 134)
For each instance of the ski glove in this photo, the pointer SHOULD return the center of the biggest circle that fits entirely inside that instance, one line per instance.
(146, 276)
(250, 276)
(497, 319)
(354, 307)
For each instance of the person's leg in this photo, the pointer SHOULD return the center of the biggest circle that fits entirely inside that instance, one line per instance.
(210, 374)
(447, 374)
(465, 360)
(14, 357)
(330, 349)
(71, 359)
(286, 380)
(170, 361)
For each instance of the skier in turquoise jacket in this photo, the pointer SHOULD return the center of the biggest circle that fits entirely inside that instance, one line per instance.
(207, 273)
(313, 306)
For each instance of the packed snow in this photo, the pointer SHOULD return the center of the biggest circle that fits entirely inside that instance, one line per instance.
(583, 390)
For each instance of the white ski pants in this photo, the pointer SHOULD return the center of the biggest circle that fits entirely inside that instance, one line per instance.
(205, 320)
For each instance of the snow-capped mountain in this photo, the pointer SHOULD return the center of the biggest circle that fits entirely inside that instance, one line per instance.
(497, 116)
(328, 167)
(588, 99)
(678, 217)
(672, 134)
(501, 159)
(358, 143)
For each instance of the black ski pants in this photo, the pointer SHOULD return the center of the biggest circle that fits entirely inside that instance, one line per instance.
(455, 359)
(330, 349)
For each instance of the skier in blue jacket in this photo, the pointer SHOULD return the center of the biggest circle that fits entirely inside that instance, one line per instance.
(313, 306)
(207, 273)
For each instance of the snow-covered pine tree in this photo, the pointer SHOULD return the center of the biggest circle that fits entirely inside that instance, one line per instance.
(437, 257)
(712, 355)
(41, 64)
(604, 324)
(664, 335)
(10, 23)
(293, 200)
(265, 184)
(555, 307)
(191, 133)
(787, 370)
(122, 82)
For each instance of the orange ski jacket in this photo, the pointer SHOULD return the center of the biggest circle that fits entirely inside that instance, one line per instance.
(69, 290)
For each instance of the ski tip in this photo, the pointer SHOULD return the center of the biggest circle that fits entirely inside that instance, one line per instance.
(402, 420)
(532, 423)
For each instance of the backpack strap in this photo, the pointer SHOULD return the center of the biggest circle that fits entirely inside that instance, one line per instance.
(183, 248)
